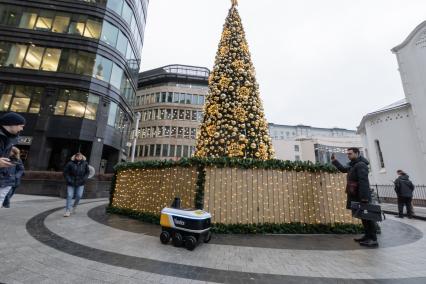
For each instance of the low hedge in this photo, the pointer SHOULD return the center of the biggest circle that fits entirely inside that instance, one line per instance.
(298, 166)
(266, 228)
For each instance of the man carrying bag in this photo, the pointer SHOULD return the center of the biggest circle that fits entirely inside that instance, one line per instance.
(358, 190)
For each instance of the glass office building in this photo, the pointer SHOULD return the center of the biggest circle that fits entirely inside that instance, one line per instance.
(71, 68)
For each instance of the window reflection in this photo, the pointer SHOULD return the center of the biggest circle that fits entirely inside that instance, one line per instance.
(93, 28)
(21, 99)
(92, 107)
(76, 103)
(70, 61)
(77, 25)
(44, 21)
(51, 59)
(28, 20)
(60, 25)
(16, 55)
(109, 34)
(33, 57)
(80, 25)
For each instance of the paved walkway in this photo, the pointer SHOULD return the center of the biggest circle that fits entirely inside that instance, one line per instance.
(419, 212)
(38, 245)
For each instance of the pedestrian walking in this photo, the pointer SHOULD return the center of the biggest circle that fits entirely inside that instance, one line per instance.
(404, 191)
(76, 173)
(17, 171)
(358, 190)
(11, 124)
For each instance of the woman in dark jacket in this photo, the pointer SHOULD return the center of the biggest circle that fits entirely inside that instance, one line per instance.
(15, 172)
(76, 173)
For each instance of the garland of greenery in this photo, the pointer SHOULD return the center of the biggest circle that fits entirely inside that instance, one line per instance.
(298, 166)
(199, 193)
(288, 228)
(266, 228)
(145, 217)
(112, 188)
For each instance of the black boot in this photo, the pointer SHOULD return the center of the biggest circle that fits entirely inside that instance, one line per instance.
(363, 238)
(369, 243)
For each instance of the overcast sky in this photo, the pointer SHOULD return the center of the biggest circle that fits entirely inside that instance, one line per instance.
(320, 63)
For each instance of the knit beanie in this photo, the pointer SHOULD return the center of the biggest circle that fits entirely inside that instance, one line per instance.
(12, 118)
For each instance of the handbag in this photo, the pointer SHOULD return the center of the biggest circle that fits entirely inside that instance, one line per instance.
(352, 188)
(367, 211)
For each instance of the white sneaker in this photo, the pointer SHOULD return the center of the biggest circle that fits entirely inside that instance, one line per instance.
(67, 214)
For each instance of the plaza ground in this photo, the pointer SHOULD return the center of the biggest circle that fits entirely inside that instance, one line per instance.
(39, 245)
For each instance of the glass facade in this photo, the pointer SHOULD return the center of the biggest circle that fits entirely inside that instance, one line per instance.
(67, 61)
(73, 63)
(77, 103)
(19, 98)
(66, 23)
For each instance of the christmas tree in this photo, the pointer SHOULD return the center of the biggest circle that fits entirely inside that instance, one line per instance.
(234, 123)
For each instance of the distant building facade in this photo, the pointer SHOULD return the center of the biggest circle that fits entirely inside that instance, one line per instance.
(395, 136)
(170, 100)
(306, 143)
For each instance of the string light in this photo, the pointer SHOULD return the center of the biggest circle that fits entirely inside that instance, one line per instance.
(242, 196)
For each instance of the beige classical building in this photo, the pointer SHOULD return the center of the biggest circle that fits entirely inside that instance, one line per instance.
(306, 143)
(170, 100)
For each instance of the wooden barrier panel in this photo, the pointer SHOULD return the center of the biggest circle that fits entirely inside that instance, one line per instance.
(256, 196)
(239, 196)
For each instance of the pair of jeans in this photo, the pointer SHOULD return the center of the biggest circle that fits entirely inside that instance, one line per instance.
(370, 229)
(72, 191)
(407, 201)
(6, 202)
(3, 193)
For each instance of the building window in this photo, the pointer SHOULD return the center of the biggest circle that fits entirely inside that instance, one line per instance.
(379, 154)
(172, 151)
(178, 151)
(52, 59)
(165, 150)
(158, 150)
(20, 98)
(297, 158)
(61, 23)
(296, 148)
(185, 151)
(81, 104)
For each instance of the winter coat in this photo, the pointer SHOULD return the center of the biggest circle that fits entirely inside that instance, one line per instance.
(17, 171)
(76, 172)
(7, 175)
(357, 172)
(403, 186)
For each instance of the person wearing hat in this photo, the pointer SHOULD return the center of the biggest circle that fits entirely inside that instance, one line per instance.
(76, 173)
(10, 125)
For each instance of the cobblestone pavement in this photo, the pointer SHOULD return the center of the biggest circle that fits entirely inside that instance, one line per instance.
(39, 245)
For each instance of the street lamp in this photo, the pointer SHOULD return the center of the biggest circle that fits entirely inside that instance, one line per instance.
(135, 136)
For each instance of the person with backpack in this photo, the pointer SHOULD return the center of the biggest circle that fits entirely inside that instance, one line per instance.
(404, 191)
(17, 171)
(76, 173)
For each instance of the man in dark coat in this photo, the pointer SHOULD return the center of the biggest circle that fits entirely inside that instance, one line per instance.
(10, 125)
(358, 189)
(76, 173)
(404, 190)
